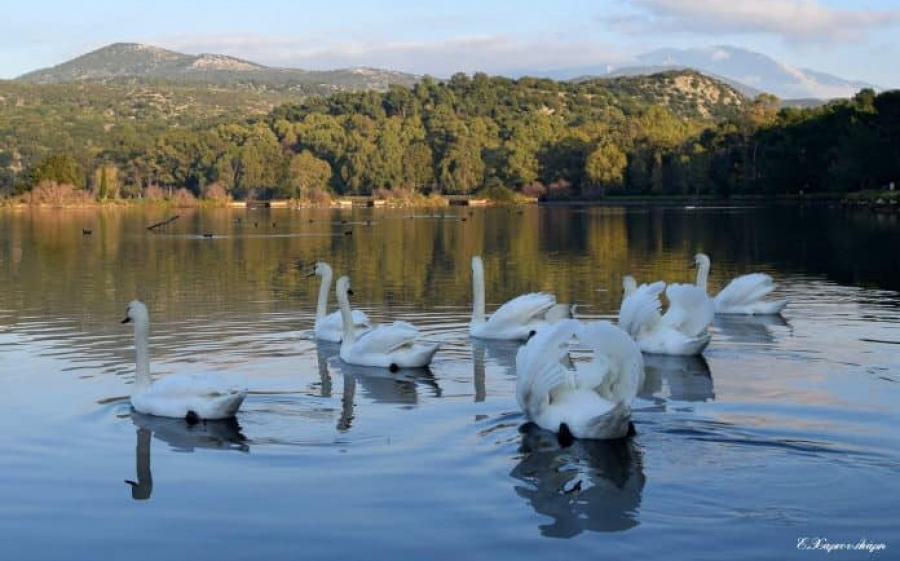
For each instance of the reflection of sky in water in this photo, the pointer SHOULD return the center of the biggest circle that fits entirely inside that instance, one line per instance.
(737, 445)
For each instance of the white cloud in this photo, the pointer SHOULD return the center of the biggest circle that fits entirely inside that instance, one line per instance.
(489, 53)
(801, 21)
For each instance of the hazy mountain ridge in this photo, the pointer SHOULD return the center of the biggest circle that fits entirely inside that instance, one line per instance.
(135, 61)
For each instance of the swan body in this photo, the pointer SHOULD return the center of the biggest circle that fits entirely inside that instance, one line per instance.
(388, 346)
(188, 396)
(682, 330)
(590, 400)
(744, 294)
(330, 327)
(518, 318)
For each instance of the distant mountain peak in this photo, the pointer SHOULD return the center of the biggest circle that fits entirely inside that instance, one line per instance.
(756, 70)
(137, 61)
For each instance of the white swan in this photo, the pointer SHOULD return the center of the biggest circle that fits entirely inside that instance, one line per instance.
(388, 346)
(744, 294)
(330, 327)
(187, 396)
(590, 400)
(681, 331)
(518, 318)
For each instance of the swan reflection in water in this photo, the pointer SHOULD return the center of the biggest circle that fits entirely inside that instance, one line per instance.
(181, 436)
(592, 485)
(750, 329)
(678, 378)
(486, 351)
(378, 384)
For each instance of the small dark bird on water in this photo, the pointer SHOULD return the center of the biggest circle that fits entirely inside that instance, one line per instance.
(207, 235)
(85, 232)
(348, 233)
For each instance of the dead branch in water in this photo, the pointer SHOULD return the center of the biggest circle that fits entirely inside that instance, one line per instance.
(163, 223)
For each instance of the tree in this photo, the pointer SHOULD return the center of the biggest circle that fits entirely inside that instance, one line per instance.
(605, 166)
(307, 173)
(61, 168)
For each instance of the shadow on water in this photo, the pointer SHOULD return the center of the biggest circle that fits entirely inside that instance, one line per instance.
(593, 485)
(679, 378)
(182, 437)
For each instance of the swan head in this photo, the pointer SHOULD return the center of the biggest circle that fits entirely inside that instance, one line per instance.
(136, 312)
(629, 285)
(701, 260)
(321, 268)
(343, 286)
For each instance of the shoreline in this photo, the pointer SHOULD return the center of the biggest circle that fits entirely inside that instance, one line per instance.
(876, 200)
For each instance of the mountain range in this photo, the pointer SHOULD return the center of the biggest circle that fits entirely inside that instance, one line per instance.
(128, 61)
(749, 72)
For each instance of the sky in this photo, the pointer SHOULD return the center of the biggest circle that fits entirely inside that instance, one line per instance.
(852, 39)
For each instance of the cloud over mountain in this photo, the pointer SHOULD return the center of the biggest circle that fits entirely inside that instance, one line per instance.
(794, 21)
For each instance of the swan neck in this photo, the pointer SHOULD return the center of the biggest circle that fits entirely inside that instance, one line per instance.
(141, 355)
(346, 317)
(702, 275)
(324, 287)
(477, 290)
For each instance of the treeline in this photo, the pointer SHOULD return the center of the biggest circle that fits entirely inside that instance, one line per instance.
(679, 133)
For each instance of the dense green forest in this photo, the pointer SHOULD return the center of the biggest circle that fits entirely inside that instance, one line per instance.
(675, 133)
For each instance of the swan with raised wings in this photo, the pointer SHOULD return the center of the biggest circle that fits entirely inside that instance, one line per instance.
(682, 330)
(330, 327)
(743, 295)
(391, 346)
(518, 318)
(581, 399)
(192, 396)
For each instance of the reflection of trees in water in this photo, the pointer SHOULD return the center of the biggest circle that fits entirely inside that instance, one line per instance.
(749, 329)
(680, 378)
(593, 485)
(180, 436)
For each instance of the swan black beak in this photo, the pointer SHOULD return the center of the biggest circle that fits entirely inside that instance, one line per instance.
(349, 292)
(126, 320)
(311, 273)
(132, 483)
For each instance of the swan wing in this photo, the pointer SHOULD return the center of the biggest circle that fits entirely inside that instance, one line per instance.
(386, 338)
(205, 394)
(539, 364)
(744, 290)
(616, 371)
(523, 310)
(640, 310)
(559, 312)
(691, 310)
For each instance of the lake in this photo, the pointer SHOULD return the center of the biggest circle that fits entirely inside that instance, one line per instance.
(782, 434)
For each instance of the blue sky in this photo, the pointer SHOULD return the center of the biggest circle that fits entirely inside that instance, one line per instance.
(852, 39)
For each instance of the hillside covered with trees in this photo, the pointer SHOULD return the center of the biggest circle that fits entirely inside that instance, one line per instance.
(675, 133)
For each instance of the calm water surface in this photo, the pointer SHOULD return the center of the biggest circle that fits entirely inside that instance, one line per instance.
(785, 429)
